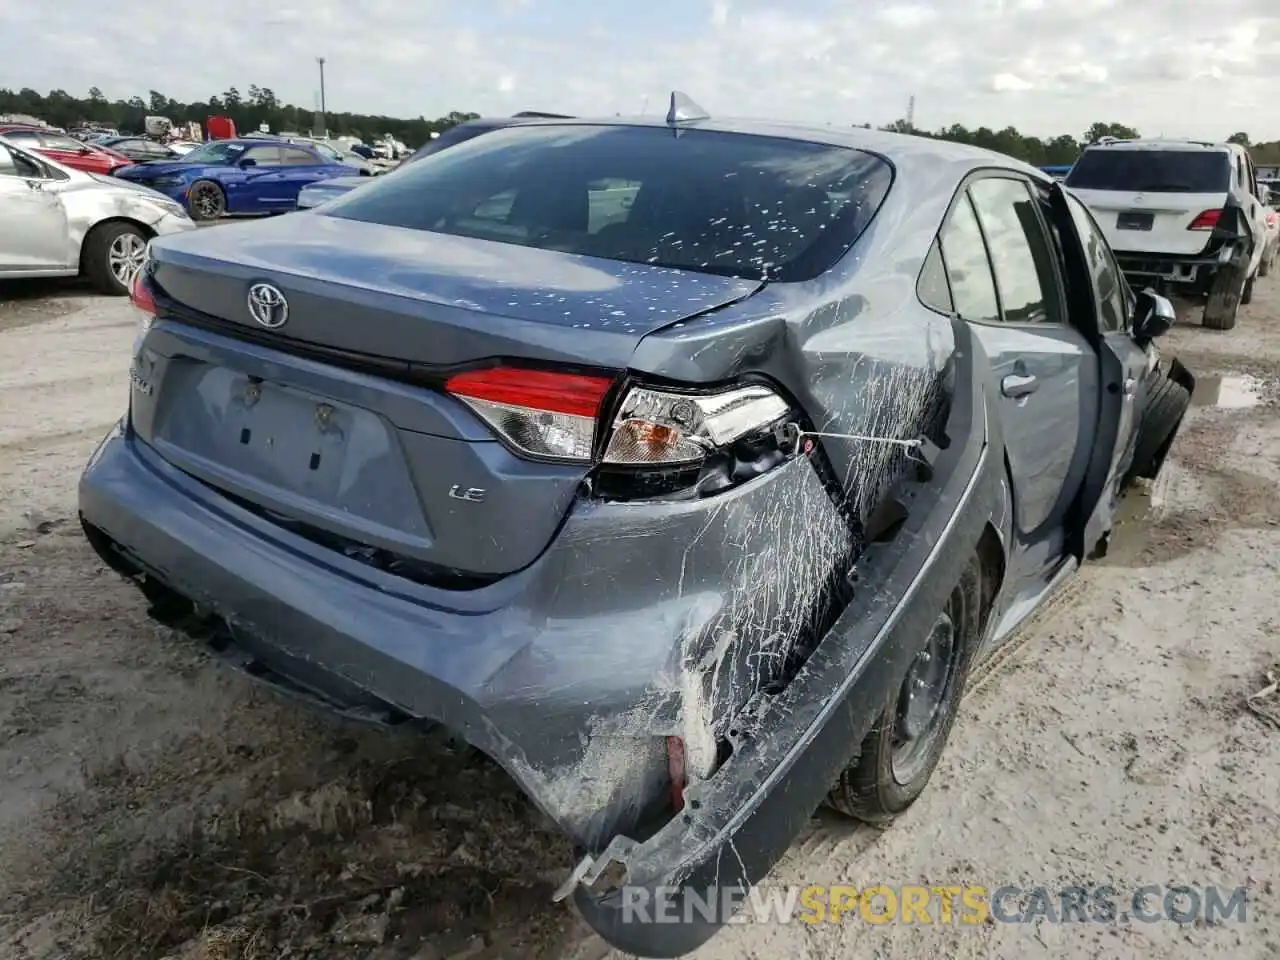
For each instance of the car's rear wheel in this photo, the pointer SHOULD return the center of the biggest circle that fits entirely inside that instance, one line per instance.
(1224, 300)
(899, 755)
(206, 201)
(112, 254)
(1246, 295)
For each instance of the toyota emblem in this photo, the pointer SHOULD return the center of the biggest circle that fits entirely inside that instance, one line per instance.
(268, 306)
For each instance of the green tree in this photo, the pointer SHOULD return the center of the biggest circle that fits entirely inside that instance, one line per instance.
(1241, 138)
(1117, 130)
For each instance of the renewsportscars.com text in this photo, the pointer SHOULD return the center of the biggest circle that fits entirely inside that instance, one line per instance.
(944, 904)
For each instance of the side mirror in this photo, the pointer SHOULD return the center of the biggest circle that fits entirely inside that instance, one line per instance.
(1152, 316)
(247, 162)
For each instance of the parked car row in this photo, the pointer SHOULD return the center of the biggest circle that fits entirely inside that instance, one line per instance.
(66, 150)
(791, 427)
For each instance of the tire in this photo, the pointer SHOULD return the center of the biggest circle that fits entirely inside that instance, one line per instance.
(1264, 268)
(1165, 406)
(1224, 300)
(1246, 295)
(871, 788)
(206, 201)
(111, 255)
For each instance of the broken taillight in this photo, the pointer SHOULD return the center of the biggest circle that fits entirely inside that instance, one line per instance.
(659, 428)
(1205, 220)
(543, 414)
(656, 442)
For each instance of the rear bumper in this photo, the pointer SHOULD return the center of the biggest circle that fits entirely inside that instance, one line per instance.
(1197, 270)
(570, 673)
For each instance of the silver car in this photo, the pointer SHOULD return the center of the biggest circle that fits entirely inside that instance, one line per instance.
(59, 222)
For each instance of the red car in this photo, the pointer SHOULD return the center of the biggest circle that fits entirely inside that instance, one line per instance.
(66, 150)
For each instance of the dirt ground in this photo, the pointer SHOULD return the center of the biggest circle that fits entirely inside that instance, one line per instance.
(154, 805)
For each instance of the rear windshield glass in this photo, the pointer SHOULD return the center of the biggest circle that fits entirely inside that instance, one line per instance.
(1152, 171)
(726, 203)
(451, 138)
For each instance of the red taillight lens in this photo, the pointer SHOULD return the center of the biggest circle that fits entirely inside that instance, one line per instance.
(1205, 220)
(140, 294)
(541, 413)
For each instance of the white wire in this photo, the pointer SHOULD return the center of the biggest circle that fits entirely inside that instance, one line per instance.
(912, 444)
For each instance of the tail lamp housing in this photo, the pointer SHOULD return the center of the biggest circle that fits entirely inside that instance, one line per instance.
(655, 441)
(1206, 220)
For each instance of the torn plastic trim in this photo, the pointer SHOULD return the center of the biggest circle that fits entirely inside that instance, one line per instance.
(789, 751)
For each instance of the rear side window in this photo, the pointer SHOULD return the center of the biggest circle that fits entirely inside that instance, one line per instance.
(715, 202)
(932, 286)
(968, 269)
(264, 156)
(1152, 171)
(297, 157)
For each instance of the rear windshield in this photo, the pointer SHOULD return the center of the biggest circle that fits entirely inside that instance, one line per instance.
(714, 202)
(1152, 171)
(451, 138)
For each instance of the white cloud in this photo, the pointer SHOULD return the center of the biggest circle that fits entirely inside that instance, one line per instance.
(1069, 62)
(1009, 83)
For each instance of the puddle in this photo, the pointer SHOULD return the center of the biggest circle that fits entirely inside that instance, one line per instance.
(1228, 392)
(1144, 530)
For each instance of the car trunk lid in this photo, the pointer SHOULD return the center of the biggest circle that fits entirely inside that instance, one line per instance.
(396, 473)
(431, 299)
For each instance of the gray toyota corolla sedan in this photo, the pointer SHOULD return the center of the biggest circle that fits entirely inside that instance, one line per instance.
(685, 468)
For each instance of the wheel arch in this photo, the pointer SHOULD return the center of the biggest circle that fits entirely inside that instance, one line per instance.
(132, 221)
(992, 565)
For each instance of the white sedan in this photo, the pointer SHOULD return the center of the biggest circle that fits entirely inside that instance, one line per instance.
(59, 222)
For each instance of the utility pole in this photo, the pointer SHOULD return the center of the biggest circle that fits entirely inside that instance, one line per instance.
(911, 113)
(324, 122)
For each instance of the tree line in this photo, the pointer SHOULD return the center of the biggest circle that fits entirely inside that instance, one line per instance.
(259, 105)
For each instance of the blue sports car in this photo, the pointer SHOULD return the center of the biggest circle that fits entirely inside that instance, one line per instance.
(236, 176)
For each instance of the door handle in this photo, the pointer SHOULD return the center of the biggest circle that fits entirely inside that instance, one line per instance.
(1017, 386)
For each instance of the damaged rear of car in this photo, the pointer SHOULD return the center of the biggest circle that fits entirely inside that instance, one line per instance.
(634, 453)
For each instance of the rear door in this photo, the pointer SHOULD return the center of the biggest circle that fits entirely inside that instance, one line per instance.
(1126, 368)
(300, 167)
(1163, 200)
(260, 189)
(1006, 283)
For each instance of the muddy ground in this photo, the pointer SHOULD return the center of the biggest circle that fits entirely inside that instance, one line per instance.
(155, 805)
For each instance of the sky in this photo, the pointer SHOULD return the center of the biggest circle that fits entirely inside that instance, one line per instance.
(1167, 67)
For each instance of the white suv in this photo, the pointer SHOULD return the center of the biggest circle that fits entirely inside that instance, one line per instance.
(1180, 213)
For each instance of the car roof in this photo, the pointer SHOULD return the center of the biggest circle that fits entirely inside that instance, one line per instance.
(1162, 143)
(254, 142)
(893, 146)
